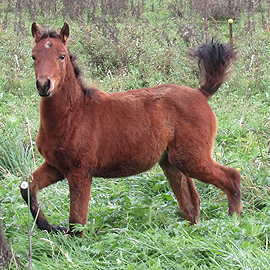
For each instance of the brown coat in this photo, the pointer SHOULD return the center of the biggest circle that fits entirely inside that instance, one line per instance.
(85, 132)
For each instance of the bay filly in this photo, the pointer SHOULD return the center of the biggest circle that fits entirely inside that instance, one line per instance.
(87, 133)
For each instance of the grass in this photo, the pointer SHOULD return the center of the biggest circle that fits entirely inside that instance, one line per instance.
(134, 223)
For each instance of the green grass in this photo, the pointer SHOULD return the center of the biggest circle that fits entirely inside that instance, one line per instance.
(134, 223)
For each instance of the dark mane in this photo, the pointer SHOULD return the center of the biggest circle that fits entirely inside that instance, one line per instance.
(89, 91)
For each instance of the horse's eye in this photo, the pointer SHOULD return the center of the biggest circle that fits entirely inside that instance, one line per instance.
(62, 56)
(33, 57)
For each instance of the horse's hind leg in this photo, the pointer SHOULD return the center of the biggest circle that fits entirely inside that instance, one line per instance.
(44, 176)
(185, 191)
(204, 168)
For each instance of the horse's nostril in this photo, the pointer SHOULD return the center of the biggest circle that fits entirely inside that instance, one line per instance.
(43, 85)
(39, 86)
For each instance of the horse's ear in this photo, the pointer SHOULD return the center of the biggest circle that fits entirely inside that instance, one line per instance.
(64, 32)
(35, 30)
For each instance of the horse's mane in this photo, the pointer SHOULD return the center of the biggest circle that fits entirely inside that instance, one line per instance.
(48, 33)
(89, 91)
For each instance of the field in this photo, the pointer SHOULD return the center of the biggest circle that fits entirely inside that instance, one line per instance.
(134, 223)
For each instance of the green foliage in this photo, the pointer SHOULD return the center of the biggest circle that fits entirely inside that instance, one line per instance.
(134, 223)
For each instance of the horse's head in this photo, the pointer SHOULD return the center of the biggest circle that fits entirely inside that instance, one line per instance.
(50, 57)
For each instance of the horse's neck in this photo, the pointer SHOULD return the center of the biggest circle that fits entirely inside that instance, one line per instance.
(59, 110)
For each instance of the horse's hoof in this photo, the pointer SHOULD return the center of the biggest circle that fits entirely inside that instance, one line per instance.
(60, 230)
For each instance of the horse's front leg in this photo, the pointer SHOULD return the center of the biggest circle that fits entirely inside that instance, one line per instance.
(79, 188)
(44, 176)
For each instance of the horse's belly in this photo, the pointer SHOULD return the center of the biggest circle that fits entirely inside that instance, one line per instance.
(129, 159)
(125, 169)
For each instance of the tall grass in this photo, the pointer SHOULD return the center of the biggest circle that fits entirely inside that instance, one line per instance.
(134, 222)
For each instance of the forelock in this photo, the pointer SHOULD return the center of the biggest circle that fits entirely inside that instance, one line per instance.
(47, 34)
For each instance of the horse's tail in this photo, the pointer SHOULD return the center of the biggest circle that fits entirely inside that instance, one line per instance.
(214, 62)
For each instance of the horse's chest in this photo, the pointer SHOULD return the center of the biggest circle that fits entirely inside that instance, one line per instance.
(59, 154)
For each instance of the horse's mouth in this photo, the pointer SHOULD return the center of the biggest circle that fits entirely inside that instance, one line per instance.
(44, 95)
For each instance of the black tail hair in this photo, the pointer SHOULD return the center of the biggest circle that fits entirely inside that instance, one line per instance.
(214, 62)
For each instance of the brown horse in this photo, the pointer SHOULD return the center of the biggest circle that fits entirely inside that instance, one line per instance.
(87, 133)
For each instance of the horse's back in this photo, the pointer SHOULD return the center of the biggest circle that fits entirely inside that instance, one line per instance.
(167, 104)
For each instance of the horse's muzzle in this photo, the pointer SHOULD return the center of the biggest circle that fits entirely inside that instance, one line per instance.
(43, 86)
